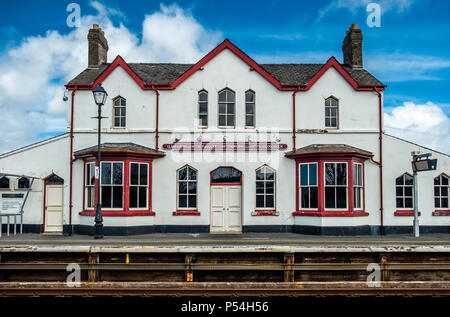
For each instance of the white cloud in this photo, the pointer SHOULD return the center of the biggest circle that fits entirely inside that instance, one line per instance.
(424, 124)
(406, 66)
(32, 74)
(353, 6)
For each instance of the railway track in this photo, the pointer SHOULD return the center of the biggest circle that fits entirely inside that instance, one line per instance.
(120, 272)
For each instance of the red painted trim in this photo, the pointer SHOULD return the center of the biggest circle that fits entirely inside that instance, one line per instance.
(441, 213)
(212, 183)
(193, 212)
(120, 155)
(293, 119)
(340, 213)
(380, 163)
(126, 210)
(157, 118)
(265, 213)
(297, 182)
(226, 44)
(404, 213)
(329, 155)
(43, 217)
(118, 213)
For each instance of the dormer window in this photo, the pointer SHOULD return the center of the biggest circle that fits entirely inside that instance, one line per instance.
(226, 108)
(331, 112)
(119, 112)
(203, 109)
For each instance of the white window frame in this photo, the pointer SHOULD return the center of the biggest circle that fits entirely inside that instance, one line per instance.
(139, 186)
(330, 116)
(187, 186)
(253, 103)
(112, 185)
(88, 187)
(359, 185)
(120, 117)
(300, 186)
(440, 193)
(404, 196)
(226, 126)
(200, 125)
(265, 181)
(335, 186)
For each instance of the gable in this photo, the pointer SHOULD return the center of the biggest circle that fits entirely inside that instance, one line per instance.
(169, 76)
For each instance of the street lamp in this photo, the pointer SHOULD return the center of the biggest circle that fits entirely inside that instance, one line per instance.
(420, 163)
(99, 97)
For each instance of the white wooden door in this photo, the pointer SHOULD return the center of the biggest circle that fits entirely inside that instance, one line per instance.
(54, 202)
(226, 209)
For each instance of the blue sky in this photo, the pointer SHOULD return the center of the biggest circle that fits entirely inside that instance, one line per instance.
(409, 52)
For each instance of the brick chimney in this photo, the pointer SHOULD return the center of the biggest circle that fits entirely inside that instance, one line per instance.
(98, 47)
(352, 47)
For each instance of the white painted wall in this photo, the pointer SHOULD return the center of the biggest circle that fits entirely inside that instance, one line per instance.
(358, 127)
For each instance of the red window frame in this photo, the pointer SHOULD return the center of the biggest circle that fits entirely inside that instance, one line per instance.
(321, 211)
(126, 210)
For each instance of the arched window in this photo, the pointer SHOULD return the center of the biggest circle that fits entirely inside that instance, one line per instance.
(265, 188)
(187, 188)
(226, 108)
(250, 109)
(331, 112)
(226, 176)
(119, 112)
(203, 109)
(4, 182)
(23, 182)
(404, 191)
(441, 191)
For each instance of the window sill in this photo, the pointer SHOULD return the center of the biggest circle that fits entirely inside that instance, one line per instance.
(118, 213)
(405, 213)
(340, 213)
(263, 212)
(185, 212)
(441, 213)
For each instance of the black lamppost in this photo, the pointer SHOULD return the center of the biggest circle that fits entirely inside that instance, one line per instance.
(99, 97)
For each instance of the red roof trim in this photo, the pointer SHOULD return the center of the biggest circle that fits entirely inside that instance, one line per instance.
(226, 44)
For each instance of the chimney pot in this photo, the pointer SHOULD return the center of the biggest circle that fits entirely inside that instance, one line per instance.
(352, 47)
(98, 47)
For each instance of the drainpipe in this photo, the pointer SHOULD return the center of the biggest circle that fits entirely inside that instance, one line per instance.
(157, 117)
(71, 160)
(380, 162)
(293, 118)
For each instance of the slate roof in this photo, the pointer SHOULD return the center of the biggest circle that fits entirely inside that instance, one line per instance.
(118, 147)
(327, 148)
(165, 73)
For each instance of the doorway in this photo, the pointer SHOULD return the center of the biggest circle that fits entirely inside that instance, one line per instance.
(226, 200)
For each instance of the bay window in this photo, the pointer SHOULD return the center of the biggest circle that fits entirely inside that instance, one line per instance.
(308, 186)
(111, 192)
(138, 185)
(335, 185)
(90, 185)
(330, 180)
(358, 186)
(125, 179)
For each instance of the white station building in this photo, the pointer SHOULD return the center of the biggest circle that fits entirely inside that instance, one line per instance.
(227, 145)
